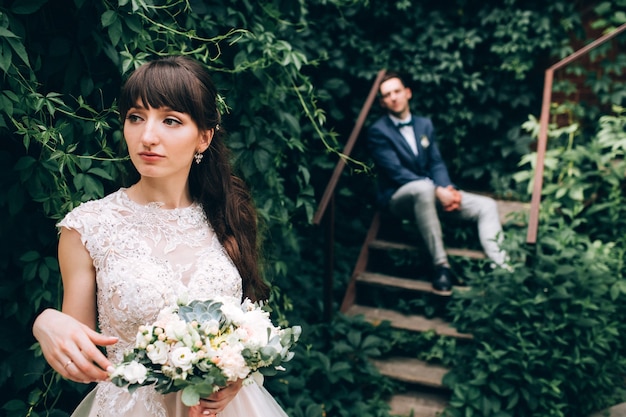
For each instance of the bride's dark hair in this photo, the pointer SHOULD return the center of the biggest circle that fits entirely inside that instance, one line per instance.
(184, 85)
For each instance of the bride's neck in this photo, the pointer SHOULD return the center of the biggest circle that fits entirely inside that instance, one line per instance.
(172, 196)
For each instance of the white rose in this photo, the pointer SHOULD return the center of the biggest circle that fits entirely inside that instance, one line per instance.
(134, 373)
(182, 357)
(158, 354)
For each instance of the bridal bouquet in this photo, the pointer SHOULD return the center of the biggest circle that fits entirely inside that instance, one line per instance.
(200, 346)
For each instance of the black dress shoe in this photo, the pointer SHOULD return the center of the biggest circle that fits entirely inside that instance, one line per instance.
(442, 281)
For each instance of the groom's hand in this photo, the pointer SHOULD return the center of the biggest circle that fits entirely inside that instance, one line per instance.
(449, 197)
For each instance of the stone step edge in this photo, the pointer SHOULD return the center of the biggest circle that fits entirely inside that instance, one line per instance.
(411, 322)
(417, 404)
(411, 370)
(383, 280)
(456, 252)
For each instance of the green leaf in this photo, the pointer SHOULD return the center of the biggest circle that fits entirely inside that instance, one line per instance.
(108, 18)
(30, 256)
(6, 33)
(262, 160)
(115, 32)
(292, 122)
(29, 272)
(27, 6)
(19, 49)
(354, 338)
(18, 407)
(44, 272)
(5, 57)
(100, 173)
(190, 396)
(25, 162)
(6, 105)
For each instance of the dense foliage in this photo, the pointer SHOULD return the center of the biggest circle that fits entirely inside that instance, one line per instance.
(293, 75)
(549, 335)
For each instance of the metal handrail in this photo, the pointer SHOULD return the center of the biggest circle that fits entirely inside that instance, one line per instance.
(328, 198)
(542, 139)
(356, 130)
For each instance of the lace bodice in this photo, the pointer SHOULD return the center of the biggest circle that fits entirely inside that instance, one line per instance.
(146, 257)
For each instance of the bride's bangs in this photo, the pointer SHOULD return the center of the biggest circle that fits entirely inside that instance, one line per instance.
(159, 86)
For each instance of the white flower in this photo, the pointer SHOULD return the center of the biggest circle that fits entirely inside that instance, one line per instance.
(188, 340)
(176, 330)
(183, 299)
(178, 350)
(424, 141)
(182, 357)
(232, 363)
(248, 305)
(169, 371)
(233, 312)
(133, 372)
(210, 327)
(158, 353)
(258, 327)
(166, 315)
(143, 337)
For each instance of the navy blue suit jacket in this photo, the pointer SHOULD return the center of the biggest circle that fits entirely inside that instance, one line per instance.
(395, 161)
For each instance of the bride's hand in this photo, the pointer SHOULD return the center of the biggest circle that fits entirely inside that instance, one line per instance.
(70, 348)
(215, 404)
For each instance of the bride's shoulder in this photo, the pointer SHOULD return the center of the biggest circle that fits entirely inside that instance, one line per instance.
(95, 209)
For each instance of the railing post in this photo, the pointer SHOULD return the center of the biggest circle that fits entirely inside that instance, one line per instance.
(542, 140)
(329, 199)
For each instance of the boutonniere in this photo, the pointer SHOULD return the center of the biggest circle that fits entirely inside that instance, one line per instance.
(424, 141)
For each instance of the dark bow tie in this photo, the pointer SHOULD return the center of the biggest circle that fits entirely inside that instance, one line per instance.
(401, 125)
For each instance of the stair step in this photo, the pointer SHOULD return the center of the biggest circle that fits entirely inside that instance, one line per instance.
(459, 252)
(413, 371)
(410, 322)
(507, 208)
(417, 404)
(383, 280)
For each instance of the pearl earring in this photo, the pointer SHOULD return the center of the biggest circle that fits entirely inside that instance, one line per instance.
(198, 157)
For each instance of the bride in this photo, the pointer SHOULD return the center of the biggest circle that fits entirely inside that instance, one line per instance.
(186, 227)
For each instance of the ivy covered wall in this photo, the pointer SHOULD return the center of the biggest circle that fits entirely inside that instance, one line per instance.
(293, 75)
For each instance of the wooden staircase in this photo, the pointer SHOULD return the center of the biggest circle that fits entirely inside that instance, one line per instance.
(424, 394)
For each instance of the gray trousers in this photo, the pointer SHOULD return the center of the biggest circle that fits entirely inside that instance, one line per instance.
(416, 201)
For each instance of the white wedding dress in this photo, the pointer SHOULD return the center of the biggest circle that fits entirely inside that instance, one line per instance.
(147, 257)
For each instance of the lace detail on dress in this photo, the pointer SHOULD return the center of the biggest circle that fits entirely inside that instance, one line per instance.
(146, 258)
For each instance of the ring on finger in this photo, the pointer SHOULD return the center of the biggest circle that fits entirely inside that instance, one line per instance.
(68, 363)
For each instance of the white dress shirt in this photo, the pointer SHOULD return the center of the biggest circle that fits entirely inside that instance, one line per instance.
(407, 132)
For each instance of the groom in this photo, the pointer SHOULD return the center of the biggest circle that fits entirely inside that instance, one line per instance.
(414, 181)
